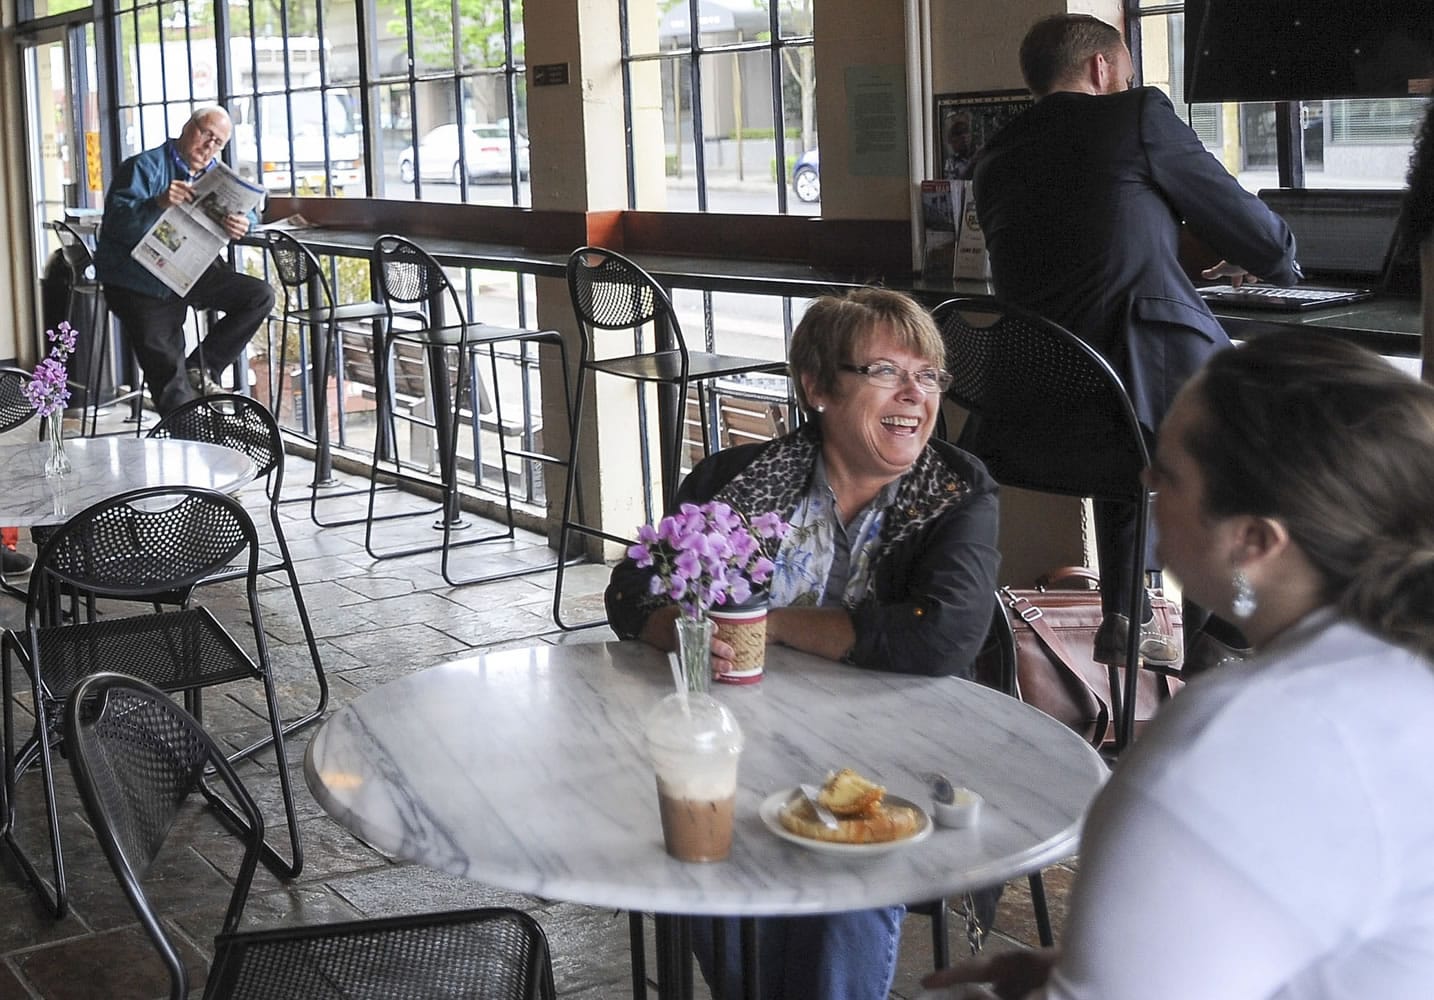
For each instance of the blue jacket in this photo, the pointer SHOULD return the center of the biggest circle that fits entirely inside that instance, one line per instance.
(130, 211)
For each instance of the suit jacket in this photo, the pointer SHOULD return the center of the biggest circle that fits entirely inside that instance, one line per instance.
(1081, 200)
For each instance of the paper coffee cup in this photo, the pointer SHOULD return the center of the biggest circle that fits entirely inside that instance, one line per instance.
(744, 628)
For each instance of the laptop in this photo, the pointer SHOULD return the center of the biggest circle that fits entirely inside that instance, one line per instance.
(1344, 240)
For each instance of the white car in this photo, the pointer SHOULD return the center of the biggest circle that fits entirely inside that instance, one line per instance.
(486, 152)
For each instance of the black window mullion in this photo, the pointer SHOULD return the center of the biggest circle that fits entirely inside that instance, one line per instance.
(694, 76)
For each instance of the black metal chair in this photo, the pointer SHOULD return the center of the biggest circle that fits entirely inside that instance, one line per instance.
(15, 409)
(412, 282)
(618, 303)
(86, 310)
(137, 756)
(1049, 414)
(131, 548)
(308, 302)
(242, 423)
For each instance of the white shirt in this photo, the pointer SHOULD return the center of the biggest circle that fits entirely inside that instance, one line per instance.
(1271, 837)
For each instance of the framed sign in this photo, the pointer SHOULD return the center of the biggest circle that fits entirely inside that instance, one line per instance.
(965, 121)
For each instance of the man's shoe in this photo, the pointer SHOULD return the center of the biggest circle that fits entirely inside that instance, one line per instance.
(1207, 653)
(1156, 647)
(14, 564)
(203, 384)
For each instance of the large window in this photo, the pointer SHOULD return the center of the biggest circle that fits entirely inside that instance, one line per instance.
(1346, 143)
(293, 77)
(721, 106)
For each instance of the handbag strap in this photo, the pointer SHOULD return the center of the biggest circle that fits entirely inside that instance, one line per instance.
(1056, 649)
(1062, 574)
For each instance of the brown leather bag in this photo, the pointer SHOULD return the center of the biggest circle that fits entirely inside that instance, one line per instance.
(1054, 627)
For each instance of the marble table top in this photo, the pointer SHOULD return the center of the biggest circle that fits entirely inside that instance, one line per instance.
(526, 769)
(104, 467)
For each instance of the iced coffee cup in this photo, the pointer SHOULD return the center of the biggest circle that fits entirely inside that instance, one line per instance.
(744, 628)
(695, 745)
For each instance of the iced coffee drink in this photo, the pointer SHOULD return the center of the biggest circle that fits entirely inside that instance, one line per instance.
(695, 744)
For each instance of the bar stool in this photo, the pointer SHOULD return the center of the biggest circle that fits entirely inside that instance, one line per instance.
(409, 276)
(86, 310)
(611, 293)
(308, 300)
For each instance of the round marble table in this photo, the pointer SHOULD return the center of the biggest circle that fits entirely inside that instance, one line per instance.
(104, 467)
(525, 769)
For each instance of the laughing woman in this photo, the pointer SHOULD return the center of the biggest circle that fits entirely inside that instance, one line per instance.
(890, 564)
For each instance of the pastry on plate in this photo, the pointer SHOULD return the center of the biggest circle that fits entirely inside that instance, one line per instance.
(862, 816)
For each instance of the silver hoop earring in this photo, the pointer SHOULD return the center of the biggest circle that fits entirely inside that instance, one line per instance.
(1244, 603)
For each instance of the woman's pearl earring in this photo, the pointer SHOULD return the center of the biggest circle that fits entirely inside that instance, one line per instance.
(1244, 603)
(821, 407)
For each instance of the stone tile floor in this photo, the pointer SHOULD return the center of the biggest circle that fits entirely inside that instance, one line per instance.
(375, 620)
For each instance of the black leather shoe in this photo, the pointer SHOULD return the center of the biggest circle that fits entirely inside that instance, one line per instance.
(14, 564)
(1156, 648)
(1207, 653)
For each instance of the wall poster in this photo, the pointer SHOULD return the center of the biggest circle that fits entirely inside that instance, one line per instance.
(965, 121)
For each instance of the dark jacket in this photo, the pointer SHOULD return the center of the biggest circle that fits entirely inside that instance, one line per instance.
(1081, 200)
(932, 591)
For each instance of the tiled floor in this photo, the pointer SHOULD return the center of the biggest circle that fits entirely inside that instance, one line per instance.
(375, 621)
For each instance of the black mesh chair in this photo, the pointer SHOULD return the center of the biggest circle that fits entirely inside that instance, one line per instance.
(86, 311)
(618, 305)
(137, 756)
(15, 409)
(129, 548)
(414, 283)
(243, 424)
(1050, 414)
(308, 302)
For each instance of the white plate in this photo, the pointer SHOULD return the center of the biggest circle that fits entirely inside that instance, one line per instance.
(773, 803)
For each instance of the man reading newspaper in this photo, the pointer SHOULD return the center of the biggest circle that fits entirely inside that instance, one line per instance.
(139, 243)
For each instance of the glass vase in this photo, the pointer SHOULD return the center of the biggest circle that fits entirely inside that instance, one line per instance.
(694, 652)
(57, 463)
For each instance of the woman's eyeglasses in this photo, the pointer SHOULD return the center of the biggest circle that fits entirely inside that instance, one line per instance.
(890, 376)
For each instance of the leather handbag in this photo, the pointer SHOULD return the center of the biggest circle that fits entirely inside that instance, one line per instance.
(1054, 629)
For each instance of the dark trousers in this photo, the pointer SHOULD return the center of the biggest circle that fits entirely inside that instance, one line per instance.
(154, 329)
(1115, 545)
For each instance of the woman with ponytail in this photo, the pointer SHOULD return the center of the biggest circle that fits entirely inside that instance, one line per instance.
(1269, 837)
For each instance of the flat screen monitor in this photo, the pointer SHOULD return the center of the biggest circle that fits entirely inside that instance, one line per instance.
(1292, 50)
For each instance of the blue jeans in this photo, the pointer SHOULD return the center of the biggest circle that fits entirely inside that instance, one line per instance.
(836, 956)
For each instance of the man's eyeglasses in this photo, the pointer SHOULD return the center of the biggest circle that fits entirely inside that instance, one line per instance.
(208, 137)
(890, 376)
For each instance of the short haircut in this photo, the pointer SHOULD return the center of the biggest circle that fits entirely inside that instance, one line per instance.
(197, 116)
(835, 328)
(1057, 47)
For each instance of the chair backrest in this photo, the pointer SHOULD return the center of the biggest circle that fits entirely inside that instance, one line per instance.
(147, 541)
(136, 756)
(1048, 412)
(409, 275)
(296, 266)
(495, 953)
(234, 421)
(76, 252)
(15, 409)
(610, 292)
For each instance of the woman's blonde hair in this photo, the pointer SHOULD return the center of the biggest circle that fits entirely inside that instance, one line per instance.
(835, 328)
(1339, 445)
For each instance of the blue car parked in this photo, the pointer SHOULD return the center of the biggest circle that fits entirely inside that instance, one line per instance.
(807, 177)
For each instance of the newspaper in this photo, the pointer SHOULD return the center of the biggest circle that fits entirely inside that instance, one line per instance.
(186, 239)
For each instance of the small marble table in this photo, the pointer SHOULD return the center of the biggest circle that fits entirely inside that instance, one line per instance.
(526, 769)
(104, 467)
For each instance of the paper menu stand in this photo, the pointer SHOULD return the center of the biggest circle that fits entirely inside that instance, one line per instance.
(973, 263)
(940, 210)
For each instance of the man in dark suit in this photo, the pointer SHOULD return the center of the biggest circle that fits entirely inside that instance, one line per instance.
(1081, 200)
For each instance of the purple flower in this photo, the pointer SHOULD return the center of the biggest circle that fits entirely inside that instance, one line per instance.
(706, 554)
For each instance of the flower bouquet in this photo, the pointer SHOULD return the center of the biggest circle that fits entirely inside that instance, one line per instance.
(49, 390)
(705, 555)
